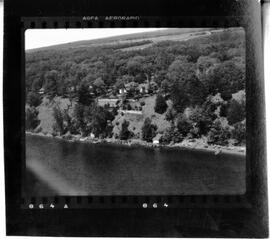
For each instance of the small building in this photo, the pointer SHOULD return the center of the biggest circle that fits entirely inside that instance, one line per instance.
(72, 89)
(41, 91)
(110, 102)
(156, 139)
(122, 91)
(144, 88)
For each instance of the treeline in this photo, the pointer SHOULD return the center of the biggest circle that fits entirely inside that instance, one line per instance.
(70, 67)
(118, 46)
(204, 78)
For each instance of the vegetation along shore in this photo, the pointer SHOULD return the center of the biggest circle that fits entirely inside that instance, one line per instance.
(198, 144)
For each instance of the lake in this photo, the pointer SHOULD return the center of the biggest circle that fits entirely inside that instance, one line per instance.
(58, 167)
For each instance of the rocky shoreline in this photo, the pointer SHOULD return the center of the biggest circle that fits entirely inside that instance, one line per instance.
(185, 144)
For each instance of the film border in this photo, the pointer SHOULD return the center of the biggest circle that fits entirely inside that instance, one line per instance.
(132, 221)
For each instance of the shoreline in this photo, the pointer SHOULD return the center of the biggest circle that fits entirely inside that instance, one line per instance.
(185, 145)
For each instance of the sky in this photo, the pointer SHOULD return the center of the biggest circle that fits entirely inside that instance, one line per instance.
(35, 38)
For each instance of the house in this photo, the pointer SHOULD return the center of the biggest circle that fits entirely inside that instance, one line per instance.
(144, 88)
(41, 91)
(110, 102)
(131, 86)
(122, 91)
(131, 112)
(156, 139)
(72, 89)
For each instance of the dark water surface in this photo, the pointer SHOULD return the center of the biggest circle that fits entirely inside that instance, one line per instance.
(58, 167)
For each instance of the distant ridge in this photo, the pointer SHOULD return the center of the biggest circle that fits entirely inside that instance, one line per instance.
(121, 38)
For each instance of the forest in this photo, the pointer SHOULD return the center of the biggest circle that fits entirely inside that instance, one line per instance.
(178, 90)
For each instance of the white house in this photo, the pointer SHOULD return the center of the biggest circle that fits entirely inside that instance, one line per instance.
(144, 88)
(156, 139)
(41, 91)
(107, 101)
(123, 90)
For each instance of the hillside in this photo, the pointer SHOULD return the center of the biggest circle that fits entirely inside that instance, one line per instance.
(176, 84)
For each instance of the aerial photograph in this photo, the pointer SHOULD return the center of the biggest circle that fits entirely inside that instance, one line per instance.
(135, 112)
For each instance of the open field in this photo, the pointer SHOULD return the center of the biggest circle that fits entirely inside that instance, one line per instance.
(156, 36)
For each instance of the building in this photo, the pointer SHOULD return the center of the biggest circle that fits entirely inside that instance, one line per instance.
(110, 102)
(156, 139)
(144, 88)
(41, 91)
(122, 91)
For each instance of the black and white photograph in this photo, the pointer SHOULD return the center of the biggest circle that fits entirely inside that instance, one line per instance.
(135, 111)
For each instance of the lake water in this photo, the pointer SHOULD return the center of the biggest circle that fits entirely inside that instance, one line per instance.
(58, 167)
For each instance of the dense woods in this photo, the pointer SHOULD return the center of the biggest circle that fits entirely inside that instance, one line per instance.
(198, 86)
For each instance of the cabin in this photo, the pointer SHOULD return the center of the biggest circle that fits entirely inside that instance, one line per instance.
(144, 88)
(41, 91)
(107, 101)
(131, 112)
(122, 91)
(72, 89)
(156, 139)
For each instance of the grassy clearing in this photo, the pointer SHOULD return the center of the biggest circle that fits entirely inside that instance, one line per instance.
(136, 121)
(46, 113)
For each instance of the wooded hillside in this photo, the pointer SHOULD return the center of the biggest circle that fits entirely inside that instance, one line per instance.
(198, 85)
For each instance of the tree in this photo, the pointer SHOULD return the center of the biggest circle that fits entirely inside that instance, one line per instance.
(84, 96)
(31, 118)
(165, 86)
(99, 85)
(124, 132)
(205, 63)
(236, 111)
(159, 76)
(80, 111)
(185, 88)
(100, 121)
(239, 132)
(219, 133)
(161, 105)
(163, 60)
(33, 99)
(135, 65)
(148, 130)
(171, 114)
(226, 78)
(59, 120)
(140, 67)
(172, 135)
(201, 121)
(183, 124)
(93, 119)
(181, 70)
(129, 107)
(70, 122)
(37, 83)
(50, 85)
(209, 108)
